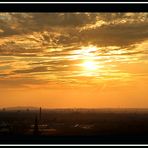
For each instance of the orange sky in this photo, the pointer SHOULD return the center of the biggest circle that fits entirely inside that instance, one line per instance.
(74, 60)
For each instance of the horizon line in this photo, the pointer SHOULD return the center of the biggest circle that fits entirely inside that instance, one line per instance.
(90, 108)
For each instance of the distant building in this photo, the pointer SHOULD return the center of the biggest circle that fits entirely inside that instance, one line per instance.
(4, 128)
(3, 109)
(39, 128)
(36, 128)
(27, 110)
(40, 115)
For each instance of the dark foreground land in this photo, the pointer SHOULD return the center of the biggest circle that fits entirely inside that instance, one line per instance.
(81, 126)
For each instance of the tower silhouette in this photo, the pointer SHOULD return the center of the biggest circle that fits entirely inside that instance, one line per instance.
(40, 115)
(36, 128)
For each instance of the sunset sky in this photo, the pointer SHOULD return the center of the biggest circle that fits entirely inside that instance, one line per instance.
(74, 60)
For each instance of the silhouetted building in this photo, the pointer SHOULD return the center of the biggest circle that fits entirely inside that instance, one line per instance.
(4, 128)
(3, 109)
(27, 110)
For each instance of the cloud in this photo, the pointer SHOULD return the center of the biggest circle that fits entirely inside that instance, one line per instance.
(48, 43)
(35, 32)
(119, 35)
(33, 70)
(19, 82)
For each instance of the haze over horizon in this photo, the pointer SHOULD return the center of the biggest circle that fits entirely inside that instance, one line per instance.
(74, 60)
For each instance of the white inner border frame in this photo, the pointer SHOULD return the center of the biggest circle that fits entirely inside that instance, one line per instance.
(73, 2)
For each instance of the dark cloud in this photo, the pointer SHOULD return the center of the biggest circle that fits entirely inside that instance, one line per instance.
(122, 54)
(29, 22)
(58, 62)
(19, 82)
(120, 34)
(50, 68)
(12, 48)
(32, 70)
(34, 32)
(3, 75)
(62, 19)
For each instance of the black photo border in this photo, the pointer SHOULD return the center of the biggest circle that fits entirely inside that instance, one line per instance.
(76, 7)
(73, 7)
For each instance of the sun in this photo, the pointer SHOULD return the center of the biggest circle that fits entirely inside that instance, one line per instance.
(89, 65)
